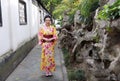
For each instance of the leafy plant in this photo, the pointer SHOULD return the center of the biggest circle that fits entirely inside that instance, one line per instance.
(110, 12)
(108, 29)
(96, 38)
(77, 75)
(50, 4)
(71, 75)
(88, 6)
(66, 56)
(71, 5)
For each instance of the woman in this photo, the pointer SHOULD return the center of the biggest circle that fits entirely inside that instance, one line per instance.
(47, 38)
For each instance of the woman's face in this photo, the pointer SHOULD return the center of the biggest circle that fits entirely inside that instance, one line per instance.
(48, 21)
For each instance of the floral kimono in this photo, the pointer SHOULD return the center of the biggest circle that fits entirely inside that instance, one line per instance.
(47, 57)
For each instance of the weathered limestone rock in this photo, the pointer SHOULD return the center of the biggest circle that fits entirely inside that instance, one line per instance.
(109, 46)
(110, 2)
(103, 2)
(118, 77)
(116, 24)
(77, 22)
(115, 66)
(98, 50)
(65, 18)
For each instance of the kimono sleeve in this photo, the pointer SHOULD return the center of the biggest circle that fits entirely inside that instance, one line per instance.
(55, 37)
(40, 36)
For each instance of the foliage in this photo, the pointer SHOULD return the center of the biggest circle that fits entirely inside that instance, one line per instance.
(50, 4)
(88, 6)
(71, 5)
(78, 75)
(58, 7)
(66, 56)
(110, 12)
(108, 29)
(96, 38)
(71, 19)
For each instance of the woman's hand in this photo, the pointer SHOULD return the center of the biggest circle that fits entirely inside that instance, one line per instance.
(46, 39)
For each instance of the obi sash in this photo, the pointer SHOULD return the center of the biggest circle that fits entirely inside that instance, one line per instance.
(47, 36)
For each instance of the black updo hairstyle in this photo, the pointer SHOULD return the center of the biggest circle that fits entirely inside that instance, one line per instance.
(48, 16)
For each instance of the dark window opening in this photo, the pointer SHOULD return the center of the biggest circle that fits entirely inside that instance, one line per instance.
(22, 13)
(40, 17)
(0, 15)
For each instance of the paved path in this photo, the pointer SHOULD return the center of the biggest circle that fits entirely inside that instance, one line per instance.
(28, 69)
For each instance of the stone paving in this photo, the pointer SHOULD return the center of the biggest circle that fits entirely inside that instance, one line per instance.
(29, 68)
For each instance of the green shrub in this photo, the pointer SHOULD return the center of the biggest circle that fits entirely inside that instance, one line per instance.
(78, 75)
(108, 29)
(96, 38)
(87, 6)
(71, 75)
(110, 12)
(66, 56)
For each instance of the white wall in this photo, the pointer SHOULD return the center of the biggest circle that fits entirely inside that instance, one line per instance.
(4, 30)
(42, 15)
(35, 20)
(12, 34)
(20, 33)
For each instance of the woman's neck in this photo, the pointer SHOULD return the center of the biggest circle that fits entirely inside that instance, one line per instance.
(47, 25)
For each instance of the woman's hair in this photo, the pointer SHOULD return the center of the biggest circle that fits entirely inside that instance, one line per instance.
(48, 16)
